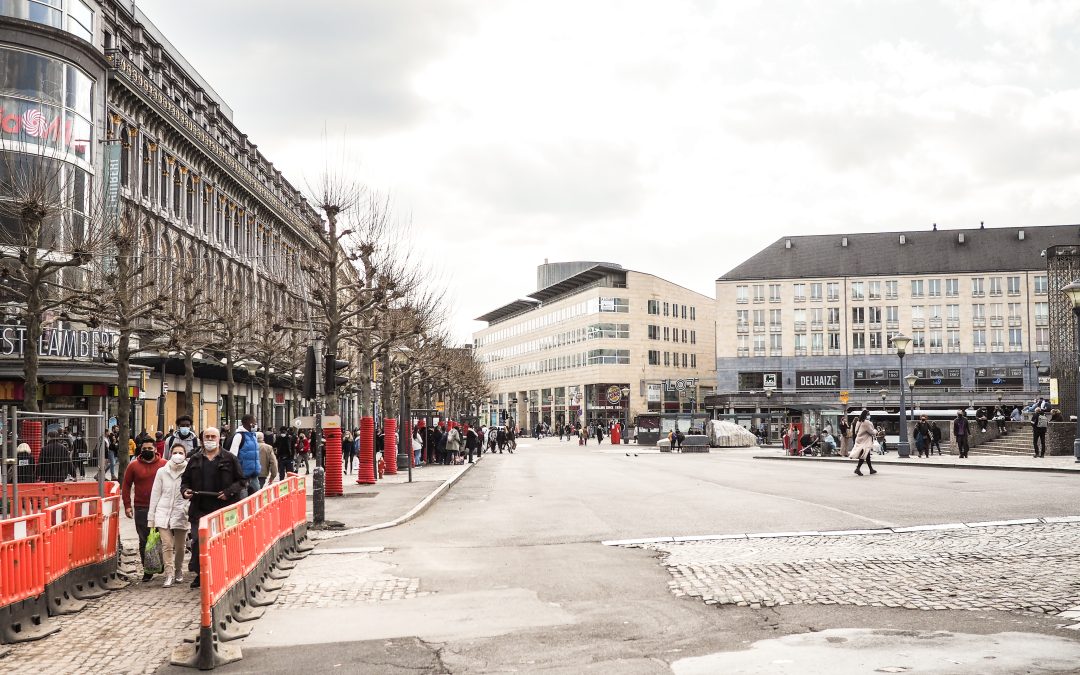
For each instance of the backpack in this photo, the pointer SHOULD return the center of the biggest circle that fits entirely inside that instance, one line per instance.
(1043, 422)
(248, 454)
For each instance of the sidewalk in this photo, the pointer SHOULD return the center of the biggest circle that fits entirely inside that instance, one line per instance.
(1055, 464)
(134, 630)
(390, 501)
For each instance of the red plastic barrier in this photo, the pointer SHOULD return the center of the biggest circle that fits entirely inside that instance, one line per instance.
(110, 528)
(57, 542)
(390, 446)
(334, 487)
(365, 472)
(22, 558)
(85, 526)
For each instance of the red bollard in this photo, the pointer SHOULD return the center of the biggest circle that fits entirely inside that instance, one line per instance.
(389, 445)
(365, 471)
(615, 436)
(334, 488)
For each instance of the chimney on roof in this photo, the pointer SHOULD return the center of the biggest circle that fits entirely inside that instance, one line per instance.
(960, 238)
(935, 227)
(903, 239)
(982, 225)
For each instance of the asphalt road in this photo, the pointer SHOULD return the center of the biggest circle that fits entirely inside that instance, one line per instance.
(517, 581)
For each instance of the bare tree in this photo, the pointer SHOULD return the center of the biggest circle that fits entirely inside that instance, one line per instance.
(186, 330)
(51, 228)
(233, 319)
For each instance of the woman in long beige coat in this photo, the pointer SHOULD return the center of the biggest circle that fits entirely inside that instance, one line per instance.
(864, 433)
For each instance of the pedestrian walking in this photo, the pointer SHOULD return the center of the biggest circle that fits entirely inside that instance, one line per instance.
(168, 513)
(246, 448)
(54, 462)
(864, 433)
(80, 454)
(935, 439)
(212, 479)
(284, 448)
(139, 479)
(268, 468)
(1039, 424)
(303, 452)
(107, 446)
(961, 429)
(453, 443)
(417, 444)
(472, 442)
(184, 435)
(921, 434)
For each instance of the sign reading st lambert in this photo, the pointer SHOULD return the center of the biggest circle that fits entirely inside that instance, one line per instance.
(66, 343)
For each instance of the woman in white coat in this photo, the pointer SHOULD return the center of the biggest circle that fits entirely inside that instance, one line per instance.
(169, 513)
(863, 432)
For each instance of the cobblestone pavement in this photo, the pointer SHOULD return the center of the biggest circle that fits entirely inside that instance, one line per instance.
(1026, 568)
(129, 631)
(342, 580)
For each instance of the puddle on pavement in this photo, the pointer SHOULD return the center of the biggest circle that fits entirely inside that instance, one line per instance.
(842, 651)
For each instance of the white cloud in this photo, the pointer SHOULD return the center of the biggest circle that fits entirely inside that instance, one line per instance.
(677, 137)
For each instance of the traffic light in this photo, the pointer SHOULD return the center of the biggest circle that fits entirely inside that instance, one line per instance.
(311, 377)
(333, 365)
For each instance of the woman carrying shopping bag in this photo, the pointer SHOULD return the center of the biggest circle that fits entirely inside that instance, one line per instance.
(169, 513)
(864, 433)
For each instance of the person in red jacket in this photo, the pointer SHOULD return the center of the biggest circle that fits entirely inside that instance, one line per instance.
(140, 475)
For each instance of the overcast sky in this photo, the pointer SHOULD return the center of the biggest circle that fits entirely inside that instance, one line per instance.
(676, 137)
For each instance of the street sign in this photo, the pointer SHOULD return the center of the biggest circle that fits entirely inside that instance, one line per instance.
(308, 422)
(440, 406)
(844, 396)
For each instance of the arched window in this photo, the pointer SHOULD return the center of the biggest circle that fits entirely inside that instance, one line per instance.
(163, 193)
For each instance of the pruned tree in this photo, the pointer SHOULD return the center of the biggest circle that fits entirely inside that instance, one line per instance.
(186, 330)
(233, 318)
(51, 229)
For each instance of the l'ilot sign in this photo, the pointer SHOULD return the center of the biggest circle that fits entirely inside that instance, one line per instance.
(35, 123)
(67, 343)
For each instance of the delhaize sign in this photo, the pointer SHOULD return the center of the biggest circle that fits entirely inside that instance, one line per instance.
(49, 126)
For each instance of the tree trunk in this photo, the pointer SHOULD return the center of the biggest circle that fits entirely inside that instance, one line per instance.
(30, 348)
(123, 401)
(230, 382)
(387, 392)
(189, 384)
(364, 378)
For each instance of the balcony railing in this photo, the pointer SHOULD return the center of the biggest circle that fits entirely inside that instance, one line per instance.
(741, 301)
(759, 328)
(800, 351)
(858, 351)
(1015, 320)
(979, 349)
(776, 352)
(776, 328)
(834, 352)
(743, 352)
(978, 323)
(816, 325)
(893, 325)
(1042, 321)
(997, 321)
(800, 326)
(759, 352)
(935, 322)
(918, 323)
(953, 323)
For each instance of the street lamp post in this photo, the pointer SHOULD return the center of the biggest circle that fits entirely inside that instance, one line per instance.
(1035, 363)
(626, 424)
(768, 416)
(911, 379)
(1073, 292)
(901, 342)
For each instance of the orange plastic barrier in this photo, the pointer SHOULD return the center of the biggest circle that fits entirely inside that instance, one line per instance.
(243, 547)
(23, 609)
(36, 497)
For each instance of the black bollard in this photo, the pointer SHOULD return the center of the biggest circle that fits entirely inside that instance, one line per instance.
(318, 511)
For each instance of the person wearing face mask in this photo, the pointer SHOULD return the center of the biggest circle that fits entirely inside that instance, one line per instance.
(168, 513)
(184, 435)
(139, 478)
(212, 479)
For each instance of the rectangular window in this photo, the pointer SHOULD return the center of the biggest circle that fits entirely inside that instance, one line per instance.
(667, 358)
(654, 331)
(997, 337)
(933, 288)
(1040, 284)
(684, 334)
(667, 334)
(874, 290)
(776, 317)
(918, 339)
(1014, 285)
(654, 355)
(934, 312)
(978, 289)
(742, 318)
(776, 342)
(684, 311)
(774, 292)
(693, 313)
(759, 318)
(954, 339)
(759, 344)
(874, 314)
(759, 293)
(744, 346)
(834, 315)
(952, 312)
(858, 340)
(917, 312)
(620, 305)
(1042, 339)
(799, 291)
(1016, 337)
(995, 310)
(952, 287)
(935, 339)
(892, 314)
(1042, 313)
(834, 341)
(740, 292)
(815, 292)
(817, 315)
(1014, 310)
(817, 341)
(693, 337)
(684, 359)
(858, 315)
(995, 285)
(875, 340)
(978, 312)
(917, 288)
(892, 290)
(665, 309)
(693, 360)
(675, 359)
(856, 290)
(800, 316)
(978, 338)
(833, 289)
(800, 342)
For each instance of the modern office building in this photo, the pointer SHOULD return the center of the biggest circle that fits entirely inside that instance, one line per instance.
(597, 342)
(809, 321)
(97, 87)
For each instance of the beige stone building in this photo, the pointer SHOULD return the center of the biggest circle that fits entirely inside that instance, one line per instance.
(591, 334)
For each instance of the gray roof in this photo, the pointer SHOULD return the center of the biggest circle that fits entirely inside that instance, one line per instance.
(923, 252)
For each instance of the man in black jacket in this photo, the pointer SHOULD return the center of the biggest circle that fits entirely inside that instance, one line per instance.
(212, 479)
(283, 447)
(54, 462)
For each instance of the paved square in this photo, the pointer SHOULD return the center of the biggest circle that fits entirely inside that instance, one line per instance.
(1028, 568)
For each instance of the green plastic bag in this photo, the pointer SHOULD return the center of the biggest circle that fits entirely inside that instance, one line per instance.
(153, 560)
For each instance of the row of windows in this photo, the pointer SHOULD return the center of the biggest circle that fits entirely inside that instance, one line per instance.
(920, 340)
(79, 19)
(593, 357)
(596, 331)
(890, 289)
(590, 306)
(672, 359)
(672, 333)
(672, 309)
(891, 314)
